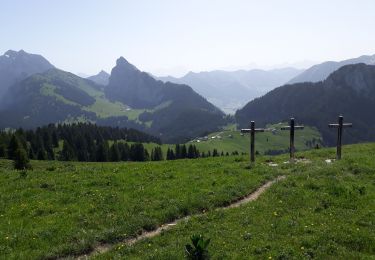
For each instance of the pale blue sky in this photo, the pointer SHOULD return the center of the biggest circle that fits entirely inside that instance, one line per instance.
(173, 36)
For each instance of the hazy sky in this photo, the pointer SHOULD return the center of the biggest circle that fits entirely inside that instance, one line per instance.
(173, 36)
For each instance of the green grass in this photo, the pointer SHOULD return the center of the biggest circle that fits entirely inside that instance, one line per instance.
(49, 90)
(232, 140)
(62, 209)
(320, 211)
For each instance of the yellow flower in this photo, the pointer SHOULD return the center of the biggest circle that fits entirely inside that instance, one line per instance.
(6, 237)
(302, 247)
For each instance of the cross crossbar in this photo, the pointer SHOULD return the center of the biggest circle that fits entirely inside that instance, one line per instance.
(296, 127)
(256, 130)
(345, 125)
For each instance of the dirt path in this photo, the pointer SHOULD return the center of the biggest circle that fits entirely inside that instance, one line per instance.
(102, 248)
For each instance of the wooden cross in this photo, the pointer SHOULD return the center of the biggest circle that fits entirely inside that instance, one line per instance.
(291, 128)
(252, 132)
(340, 127)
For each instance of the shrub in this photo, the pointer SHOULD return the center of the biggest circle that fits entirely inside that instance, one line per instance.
(198, 249)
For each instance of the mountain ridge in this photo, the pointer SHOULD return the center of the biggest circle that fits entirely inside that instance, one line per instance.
(320, 72)
(349, 91)
(18, 65)
(137, 100)
(230, 90)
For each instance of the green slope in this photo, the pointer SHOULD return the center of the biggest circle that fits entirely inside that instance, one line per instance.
(66, 208)
(323, 211)
(231, 140)
(320, 210)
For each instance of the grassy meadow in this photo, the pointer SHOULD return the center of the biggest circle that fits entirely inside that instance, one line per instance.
(323, 211)
(60, 209)
(231, 140)
(65, 209)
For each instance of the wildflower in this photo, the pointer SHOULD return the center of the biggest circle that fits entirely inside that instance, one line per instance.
(302, 248)
(275, 213)
(6, 238)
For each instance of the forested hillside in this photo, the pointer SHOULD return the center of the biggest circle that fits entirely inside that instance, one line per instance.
(349, 91)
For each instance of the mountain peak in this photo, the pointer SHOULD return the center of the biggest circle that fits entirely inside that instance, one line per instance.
(122, 62)
(12, 53)
(101, 78)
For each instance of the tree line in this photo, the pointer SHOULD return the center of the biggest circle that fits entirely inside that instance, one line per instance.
(87, 142)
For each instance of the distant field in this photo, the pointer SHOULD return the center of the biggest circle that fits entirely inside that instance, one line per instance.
(232, 140)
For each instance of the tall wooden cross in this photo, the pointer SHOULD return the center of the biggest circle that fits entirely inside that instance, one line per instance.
(291, 129)
(340, 127)
(252, 132)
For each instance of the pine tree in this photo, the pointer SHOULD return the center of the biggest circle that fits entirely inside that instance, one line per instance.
(157, 154)
(67, 153)
(21, 161)
(114, 153)
(190, 153)
(124, 151)
(177, 151)
(138, 153)
(196, 152)
(13, 146)
(183, 151)
(146, 155)
(170, 154)
(55, 139)
(2, 150)
(102, 154)
(215, 153)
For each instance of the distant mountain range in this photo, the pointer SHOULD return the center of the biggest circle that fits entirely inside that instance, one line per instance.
(44, 94)
(349, 91)
(321, 71)
(230, 90)
(33, 93)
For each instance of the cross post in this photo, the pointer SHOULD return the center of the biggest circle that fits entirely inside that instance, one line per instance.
(252, 132)
(340, 127)
(291, 129)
